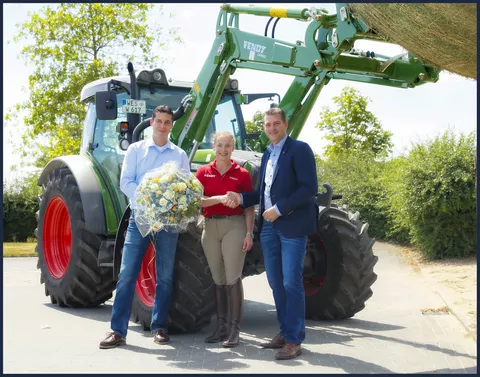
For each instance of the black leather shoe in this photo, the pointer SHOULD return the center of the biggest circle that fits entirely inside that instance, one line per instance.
(161, 337)
(112, 340)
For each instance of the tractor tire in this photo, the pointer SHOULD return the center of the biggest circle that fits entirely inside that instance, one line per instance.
(193, 301)
(67, 251)
(342, 254)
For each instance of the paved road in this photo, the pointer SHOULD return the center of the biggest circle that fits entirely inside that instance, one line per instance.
(391, 335)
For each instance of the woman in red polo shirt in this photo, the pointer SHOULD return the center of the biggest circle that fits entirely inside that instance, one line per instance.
(227, 234)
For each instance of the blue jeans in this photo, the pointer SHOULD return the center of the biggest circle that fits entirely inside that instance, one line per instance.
(284, 259)
(134, 251)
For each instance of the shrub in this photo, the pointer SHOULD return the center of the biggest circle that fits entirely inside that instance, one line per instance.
(358, 178)
(20, 205)
(438, 193)
(397, 228)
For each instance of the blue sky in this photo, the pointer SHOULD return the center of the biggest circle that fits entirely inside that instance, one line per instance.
(410, 114)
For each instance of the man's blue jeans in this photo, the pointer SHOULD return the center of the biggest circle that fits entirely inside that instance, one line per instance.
(134, 251)
(284, 259)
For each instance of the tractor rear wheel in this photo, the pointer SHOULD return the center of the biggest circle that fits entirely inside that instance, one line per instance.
(67, 251)
(339, 266)
(193, 301)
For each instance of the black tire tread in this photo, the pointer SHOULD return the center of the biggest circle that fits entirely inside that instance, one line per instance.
(346, 293)
(193, 301)
(84, 284)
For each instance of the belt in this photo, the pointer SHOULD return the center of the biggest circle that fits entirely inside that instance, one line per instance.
(222, 216)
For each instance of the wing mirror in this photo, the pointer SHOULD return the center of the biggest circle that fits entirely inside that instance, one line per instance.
(106, 105)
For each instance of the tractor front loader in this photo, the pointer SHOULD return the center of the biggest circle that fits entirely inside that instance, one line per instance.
(83, 214)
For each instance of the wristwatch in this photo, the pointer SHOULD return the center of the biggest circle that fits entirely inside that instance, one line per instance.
(251, 235)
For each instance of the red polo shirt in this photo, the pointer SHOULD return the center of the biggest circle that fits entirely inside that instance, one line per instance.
(235, 179)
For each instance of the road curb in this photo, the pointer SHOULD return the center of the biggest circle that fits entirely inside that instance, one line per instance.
(451, 308)
(456, 314)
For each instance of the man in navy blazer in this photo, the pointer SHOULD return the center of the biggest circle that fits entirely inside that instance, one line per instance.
(286, 195)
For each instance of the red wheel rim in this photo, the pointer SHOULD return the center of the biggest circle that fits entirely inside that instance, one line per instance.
(313, 285)
(147, 278)
(57, 237)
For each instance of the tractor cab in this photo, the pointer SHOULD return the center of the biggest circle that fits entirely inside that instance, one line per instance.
(111, 112)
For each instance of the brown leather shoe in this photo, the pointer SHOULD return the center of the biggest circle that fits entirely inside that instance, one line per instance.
(161, 337)
(277, 342)
(289, 351)
(112, 340)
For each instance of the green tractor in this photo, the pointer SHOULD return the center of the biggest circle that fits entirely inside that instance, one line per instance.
(83, 215)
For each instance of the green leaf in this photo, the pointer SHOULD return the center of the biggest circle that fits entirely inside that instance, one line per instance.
(70, 45)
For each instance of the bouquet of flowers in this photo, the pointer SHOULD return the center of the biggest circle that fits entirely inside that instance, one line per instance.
(167, 198)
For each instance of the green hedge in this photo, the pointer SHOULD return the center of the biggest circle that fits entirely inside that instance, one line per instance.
(20, 205)
(438, 193)
(426, 198)
(358, 179)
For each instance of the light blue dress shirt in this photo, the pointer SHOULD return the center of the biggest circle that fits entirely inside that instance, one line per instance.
(144, 156)
(270, 172)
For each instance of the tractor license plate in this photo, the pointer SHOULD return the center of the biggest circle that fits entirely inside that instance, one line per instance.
(135, 106)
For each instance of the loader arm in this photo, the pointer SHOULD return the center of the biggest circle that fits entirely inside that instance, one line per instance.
(325, 53)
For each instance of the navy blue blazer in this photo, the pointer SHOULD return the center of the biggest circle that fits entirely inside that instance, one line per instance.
(293, 190)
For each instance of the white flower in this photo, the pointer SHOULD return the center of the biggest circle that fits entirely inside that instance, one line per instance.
(168, 194)
(166, 199)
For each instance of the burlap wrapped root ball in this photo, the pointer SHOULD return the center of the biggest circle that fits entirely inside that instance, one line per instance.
(444, 35)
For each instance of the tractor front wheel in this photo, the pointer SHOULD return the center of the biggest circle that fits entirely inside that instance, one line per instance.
(67, 251)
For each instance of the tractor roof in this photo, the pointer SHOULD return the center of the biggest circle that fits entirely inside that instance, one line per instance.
(91, 88)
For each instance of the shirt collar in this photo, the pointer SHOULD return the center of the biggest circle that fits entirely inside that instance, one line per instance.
(279, 145)
(150, 143)
(234, 165)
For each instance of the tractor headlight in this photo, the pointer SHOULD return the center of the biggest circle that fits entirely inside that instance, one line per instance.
(157, 76)
(124, 144)
(234, 84)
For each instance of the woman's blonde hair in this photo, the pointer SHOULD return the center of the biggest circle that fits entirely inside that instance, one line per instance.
(218, 134)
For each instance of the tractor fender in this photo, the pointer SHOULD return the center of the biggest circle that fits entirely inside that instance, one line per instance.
(119, 241)
(323, 200)
(90, 189)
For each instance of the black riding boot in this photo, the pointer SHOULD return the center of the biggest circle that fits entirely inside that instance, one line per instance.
(220, 333)
(235, 292)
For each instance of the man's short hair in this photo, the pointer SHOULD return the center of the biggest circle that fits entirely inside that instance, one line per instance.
(162, 109)
(275, 111)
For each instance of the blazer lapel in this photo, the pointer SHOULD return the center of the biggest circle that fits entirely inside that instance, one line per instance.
(282, 153)
(263, 166)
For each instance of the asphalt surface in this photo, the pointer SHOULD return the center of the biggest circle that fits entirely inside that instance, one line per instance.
(399, 331)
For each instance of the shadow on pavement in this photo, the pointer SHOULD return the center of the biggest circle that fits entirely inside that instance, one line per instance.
(188, 351)
(339, 330)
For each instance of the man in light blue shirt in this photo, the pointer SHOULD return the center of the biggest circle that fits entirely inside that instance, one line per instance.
(140, 158)
(146, 155)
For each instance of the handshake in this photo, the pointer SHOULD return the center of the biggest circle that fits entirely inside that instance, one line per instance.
(231, 199)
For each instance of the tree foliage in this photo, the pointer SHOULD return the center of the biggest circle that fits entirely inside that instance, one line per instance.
(255, 126)
(70, 45)
(426, 197)
(351, 128)
(358, 179)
